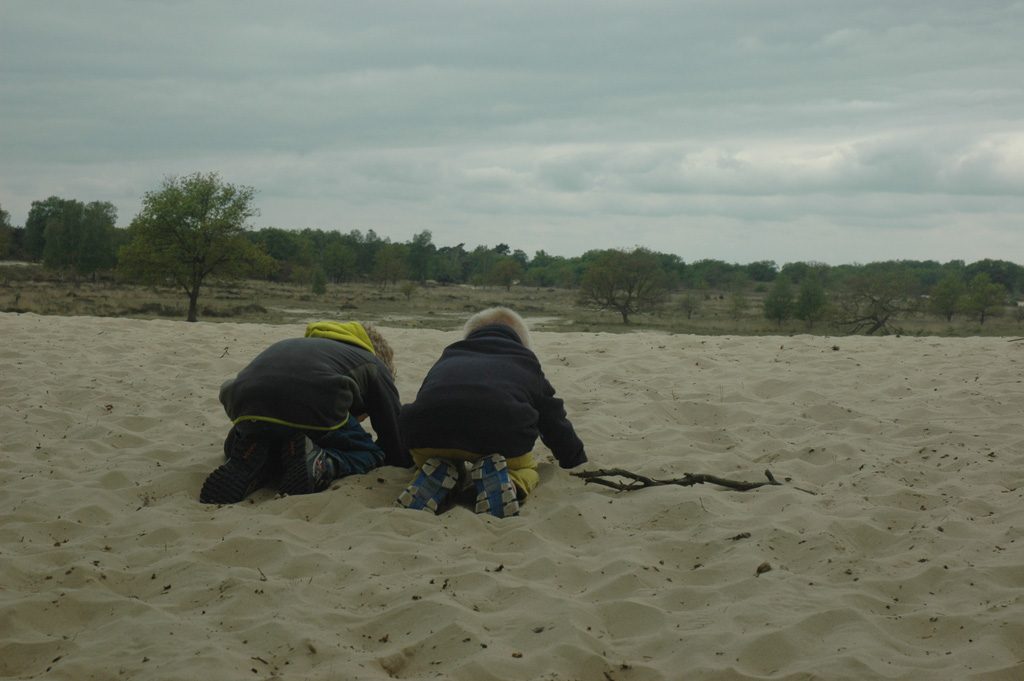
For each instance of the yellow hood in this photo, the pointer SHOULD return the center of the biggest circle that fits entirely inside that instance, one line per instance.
(352, 333)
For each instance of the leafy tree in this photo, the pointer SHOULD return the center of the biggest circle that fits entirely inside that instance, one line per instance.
(450, 264)
(738, 304)
(339, 261)
(77, 237)
(319, 282)
(945, 297)
(505, 272)
(60, 235)
(6, 233)
(39, 216)
(389, 264)
(97, 238)
(690, 304)
(778, 304)
(983, 297)
(287, 248)
(408, 288)
(421, 256)
(872, 302)
(762, 270)
(709, 273)
(629, 283)
(796, 272)
(811, 301)
(550, 270)
(1008, 274)
(189, 229)
(365, 248)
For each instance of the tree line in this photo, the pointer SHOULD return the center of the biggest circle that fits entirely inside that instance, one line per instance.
(195, 228)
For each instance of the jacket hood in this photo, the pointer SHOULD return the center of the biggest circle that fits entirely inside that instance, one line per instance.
(352, 333)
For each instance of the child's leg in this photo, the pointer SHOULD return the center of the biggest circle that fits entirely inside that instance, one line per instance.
(352, 449)
(311, 467)
(439, 476)
(523, 472)
(249, 464)
(495, 492)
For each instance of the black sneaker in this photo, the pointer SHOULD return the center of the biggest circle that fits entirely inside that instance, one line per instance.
(247, 469)
(307, 468)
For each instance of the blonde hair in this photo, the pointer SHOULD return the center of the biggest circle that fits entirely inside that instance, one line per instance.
(498, 315)
(381, 348)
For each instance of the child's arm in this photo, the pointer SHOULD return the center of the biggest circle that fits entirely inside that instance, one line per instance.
(556, 432)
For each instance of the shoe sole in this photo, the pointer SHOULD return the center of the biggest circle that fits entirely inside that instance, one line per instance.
(236, 479)
(431, 486)
(296, 479)
(495, 491)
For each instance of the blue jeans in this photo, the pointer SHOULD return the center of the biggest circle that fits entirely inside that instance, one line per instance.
(351, 448)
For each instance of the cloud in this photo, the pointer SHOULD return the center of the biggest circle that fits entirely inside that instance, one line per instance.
(726, 127)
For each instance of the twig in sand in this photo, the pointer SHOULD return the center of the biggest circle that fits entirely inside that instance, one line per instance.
(637, 481)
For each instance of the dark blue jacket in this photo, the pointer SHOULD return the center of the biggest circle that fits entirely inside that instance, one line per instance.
(487, 394)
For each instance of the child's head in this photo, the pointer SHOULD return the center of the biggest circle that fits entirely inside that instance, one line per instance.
(498, 315)
(381, 348)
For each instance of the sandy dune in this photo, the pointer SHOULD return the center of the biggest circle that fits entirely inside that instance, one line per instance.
(896, 546)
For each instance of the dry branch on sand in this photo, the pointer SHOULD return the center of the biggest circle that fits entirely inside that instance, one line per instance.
(636, 481)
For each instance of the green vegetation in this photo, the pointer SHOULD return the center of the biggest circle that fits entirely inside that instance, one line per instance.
(628, 283)
(189, 229)
(191, 236)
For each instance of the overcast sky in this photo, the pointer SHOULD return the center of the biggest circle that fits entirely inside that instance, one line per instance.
(816, 130)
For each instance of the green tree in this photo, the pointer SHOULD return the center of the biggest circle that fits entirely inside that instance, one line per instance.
(873, 299)
(709, 273)
(983, 297)
(550, 270)
(39, 216)
(627, 282)
(690, 304)
(946, 297)
(778, 304)
(481, 260)
(738, 304)
(389, 264)
(762, 270)
(1007, 274)
(288, 249)
(6, 233)
(319, 282)
(60, 235)
(79, 238)
(189, 229)
(505, 272)
(408, 289)
(450, 264)
(97, 238)
(811, 301)
(339, 261)
(421, 256)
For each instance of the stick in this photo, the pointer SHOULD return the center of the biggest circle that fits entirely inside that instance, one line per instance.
(600, 477)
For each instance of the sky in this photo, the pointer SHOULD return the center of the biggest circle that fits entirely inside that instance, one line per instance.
(787, 130)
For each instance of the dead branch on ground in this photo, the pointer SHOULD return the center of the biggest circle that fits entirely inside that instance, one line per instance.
(637, 481)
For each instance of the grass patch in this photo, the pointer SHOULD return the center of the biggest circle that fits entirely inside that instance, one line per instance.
(31, 289)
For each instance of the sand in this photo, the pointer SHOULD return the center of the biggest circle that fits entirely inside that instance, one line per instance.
(895, 546)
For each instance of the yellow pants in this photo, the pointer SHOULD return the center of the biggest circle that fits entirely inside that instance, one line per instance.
(522, 470)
